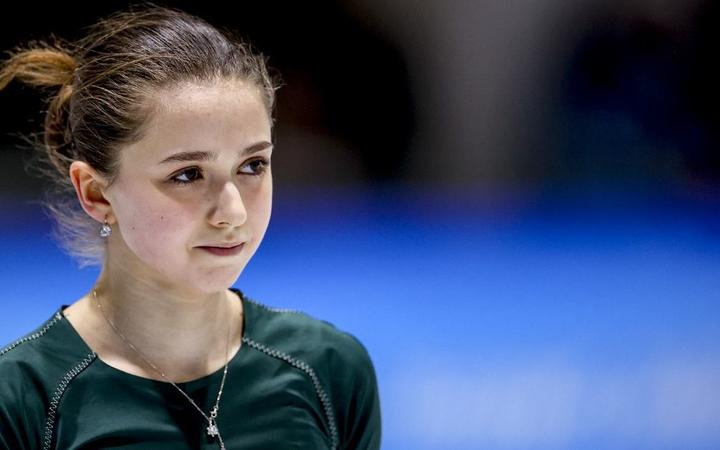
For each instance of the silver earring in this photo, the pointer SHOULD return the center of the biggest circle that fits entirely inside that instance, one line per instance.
(105, 231)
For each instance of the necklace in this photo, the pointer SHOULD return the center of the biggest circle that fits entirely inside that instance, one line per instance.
(212, 428)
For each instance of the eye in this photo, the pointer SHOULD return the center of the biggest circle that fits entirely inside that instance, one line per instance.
(255, 166)
(187, 176)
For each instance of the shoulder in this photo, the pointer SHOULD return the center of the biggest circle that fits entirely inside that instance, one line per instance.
(336, 361)
(31, 369)
(304, 337)
(24, 389)
(24, 356)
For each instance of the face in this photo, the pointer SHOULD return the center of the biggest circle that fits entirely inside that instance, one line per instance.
(192, 198)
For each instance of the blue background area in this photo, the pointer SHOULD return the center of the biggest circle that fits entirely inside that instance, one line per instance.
(522, 321)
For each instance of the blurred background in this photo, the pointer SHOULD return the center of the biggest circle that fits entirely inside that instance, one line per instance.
(514, 205)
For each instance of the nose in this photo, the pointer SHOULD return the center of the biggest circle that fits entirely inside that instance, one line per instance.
(229, 210)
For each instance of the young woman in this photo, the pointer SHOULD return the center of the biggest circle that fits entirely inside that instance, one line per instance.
(160, 129)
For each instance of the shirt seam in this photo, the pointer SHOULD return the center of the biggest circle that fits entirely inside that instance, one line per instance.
(271, 309)
(310, 372)
(36, 335)
(57, 397)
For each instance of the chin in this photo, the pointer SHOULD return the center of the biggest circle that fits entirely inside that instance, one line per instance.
(217, 280)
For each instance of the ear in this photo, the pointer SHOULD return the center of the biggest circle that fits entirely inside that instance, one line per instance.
(89, 187)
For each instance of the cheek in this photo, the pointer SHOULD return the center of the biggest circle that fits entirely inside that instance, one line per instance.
(151, 227)
(259, 208)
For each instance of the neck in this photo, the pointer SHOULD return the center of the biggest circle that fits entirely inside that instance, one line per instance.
(186, 335)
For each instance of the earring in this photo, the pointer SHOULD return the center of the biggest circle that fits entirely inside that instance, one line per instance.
(105, 231)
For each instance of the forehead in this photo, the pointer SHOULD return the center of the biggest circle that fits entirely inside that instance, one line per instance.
(210, 116)
(226, 101)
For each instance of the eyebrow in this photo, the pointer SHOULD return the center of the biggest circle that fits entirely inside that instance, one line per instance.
(212, 156)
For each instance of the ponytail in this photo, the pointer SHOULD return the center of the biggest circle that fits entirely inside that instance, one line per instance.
(44, 66)
(48, 67)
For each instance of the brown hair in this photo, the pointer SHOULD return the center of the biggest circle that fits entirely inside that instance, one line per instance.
(100, 86)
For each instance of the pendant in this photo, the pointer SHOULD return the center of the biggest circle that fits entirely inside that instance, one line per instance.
(212, 429)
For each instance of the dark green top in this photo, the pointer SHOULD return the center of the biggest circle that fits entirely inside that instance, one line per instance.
(296, 382)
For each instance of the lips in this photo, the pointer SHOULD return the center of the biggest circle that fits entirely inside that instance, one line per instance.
(223, 249)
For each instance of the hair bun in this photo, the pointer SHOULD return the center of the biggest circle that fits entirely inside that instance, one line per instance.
(43, 66)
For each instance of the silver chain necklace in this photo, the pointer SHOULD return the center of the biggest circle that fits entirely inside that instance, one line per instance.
(212, 428)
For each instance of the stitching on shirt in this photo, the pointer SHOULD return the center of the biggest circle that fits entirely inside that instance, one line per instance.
(57, 395)
(299, 364)
(268, 308)
(33, 336)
